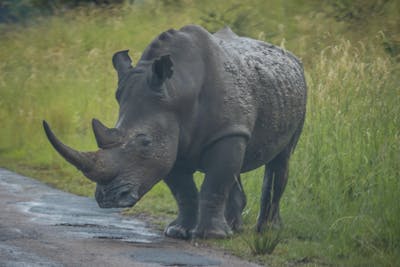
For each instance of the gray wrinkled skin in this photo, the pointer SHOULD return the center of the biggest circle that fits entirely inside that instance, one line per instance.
(221, 104)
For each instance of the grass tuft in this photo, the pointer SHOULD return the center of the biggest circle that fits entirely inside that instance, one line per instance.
(264, 242)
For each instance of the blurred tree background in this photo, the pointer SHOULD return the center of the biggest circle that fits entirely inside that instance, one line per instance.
(18, 10)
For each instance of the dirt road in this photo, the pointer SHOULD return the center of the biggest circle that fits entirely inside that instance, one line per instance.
(42, 226)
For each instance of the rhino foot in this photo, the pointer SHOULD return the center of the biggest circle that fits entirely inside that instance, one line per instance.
(219, 230)
(178, 231)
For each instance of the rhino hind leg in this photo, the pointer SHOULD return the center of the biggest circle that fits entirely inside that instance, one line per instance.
(185, 192)
(235, 205)
(274, 183)
(221, 163)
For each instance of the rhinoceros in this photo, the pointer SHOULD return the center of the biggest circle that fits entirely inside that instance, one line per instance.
(195, 101)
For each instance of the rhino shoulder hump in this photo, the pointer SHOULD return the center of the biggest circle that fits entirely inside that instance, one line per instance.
(192, 28)
(225, 33)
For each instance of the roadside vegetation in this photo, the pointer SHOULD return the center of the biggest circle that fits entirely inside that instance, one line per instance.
(341, 202)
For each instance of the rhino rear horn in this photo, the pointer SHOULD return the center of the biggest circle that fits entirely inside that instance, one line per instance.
(122, 62)
(105, 137)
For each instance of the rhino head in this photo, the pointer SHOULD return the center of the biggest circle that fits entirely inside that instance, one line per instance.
(142, 148)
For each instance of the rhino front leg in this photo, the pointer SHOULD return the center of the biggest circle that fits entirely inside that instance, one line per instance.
(185, 192)
(222, 163)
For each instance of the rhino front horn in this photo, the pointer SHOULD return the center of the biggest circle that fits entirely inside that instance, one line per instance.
(105, 137)
(94, 165)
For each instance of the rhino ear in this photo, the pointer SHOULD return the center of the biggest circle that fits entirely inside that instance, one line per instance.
(122, 62)
(161, 70)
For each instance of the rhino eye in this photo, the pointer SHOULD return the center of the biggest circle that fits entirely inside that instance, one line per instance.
(143, 140)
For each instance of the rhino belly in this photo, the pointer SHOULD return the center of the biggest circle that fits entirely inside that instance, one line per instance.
(260, 152)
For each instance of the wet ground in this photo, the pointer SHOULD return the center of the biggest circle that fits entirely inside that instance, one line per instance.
(42, 226)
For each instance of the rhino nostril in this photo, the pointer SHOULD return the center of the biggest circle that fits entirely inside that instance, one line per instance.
(127, 199)
(128, 195)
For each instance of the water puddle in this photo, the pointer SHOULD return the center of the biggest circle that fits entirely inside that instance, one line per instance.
(79, 216)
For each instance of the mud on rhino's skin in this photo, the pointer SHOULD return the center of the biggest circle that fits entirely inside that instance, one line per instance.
(218, 103)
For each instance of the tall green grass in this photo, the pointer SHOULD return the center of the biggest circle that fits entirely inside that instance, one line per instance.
(345, 175)
(340, 206)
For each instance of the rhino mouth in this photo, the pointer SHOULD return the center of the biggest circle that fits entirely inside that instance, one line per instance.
(122, 194)
(122, 197)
